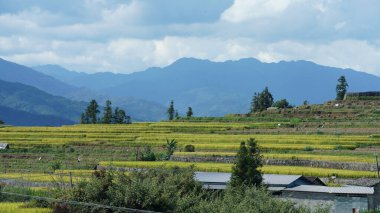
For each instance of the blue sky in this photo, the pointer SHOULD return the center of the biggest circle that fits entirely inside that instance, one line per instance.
(131, 35)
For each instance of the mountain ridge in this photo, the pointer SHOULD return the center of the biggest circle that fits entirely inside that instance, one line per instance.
(218, 88)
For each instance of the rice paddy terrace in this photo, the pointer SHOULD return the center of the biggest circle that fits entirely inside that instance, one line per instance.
(335, 139)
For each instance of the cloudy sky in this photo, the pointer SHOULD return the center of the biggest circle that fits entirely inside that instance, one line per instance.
(131, 35)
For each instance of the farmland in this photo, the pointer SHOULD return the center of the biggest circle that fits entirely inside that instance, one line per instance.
(41, 157)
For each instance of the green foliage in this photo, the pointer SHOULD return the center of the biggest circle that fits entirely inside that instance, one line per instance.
(246, 169)
(341, 88)
(261, 101)
(282, 104)
(120, 117)
(171, 111)
(147, 155)
(189, 112)
(176, 115)
(189, 148)
(309, 148)
(170, 146)
(1, 122)
(90, 116)
(171, 190)
(55, 165)
(107, 114)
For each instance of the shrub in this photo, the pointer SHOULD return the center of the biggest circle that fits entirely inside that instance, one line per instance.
(173, 190)
(55, 165)
(189, 148)
(308, 148)
(148, 155)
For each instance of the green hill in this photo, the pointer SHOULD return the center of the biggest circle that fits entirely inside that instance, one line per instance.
(25, 98)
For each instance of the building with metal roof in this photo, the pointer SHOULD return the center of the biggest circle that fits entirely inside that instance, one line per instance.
(310, 191)
(4, 146)
(219, 180)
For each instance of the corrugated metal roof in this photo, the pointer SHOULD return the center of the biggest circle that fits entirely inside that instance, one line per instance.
(332, 190)
(3, 145)
(269, 179)
(280, 179)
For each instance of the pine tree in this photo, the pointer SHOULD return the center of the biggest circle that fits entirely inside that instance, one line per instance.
(261, 101)
(341, 88)
(176, 115)
(82, 118)
(189, 112)
(92, 112)
(107, 117)
(171, 111)
(246, 168)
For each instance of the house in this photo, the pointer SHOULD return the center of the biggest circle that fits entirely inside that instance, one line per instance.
(275, 183)
(309, 191)
(339, 199)
(4, 146)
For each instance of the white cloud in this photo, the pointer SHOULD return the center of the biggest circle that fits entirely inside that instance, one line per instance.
(243, 10)
(133, 35)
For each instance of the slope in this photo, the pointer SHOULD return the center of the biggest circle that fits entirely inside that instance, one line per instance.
(29, 99)
(21, 118)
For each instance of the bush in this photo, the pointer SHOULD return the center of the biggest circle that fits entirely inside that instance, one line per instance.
(309, 149)
(189, 148)
(55, 165)
(173, 190)
(147, 155)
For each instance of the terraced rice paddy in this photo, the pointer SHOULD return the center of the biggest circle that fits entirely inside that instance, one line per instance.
(79, 148)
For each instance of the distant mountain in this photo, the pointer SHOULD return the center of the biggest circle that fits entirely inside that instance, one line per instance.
(29, 99)
(96, 81)
(21, 118)
(13, 72)
(218, 88)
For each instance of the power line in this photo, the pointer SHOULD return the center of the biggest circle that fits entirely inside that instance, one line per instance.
(53, 200)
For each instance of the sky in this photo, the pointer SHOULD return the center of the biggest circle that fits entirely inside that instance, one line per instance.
(126, 36)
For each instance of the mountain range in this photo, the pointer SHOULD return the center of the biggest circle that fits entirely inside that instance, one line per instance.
(219, 88)
(210, 88)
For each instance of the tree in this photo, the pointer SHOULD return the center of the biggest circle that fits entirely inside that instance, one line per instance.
(119, 116)
(246, 168)
(170, 146)
(341, 88)
(176, 115)
(83, 118)
(92, 112)
(305, 102)
(107, 114)
(1, 122)
(261, 101)
(189, 112)
(283, 104)
(171, 111)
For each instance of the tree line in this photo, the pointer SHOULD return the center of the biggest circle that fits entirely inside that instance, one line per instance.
(173, 113)
(91, 114)
(263, 100)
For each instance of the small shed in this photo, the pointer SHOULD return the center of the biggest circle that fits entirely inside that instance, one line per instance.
(4, 146)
